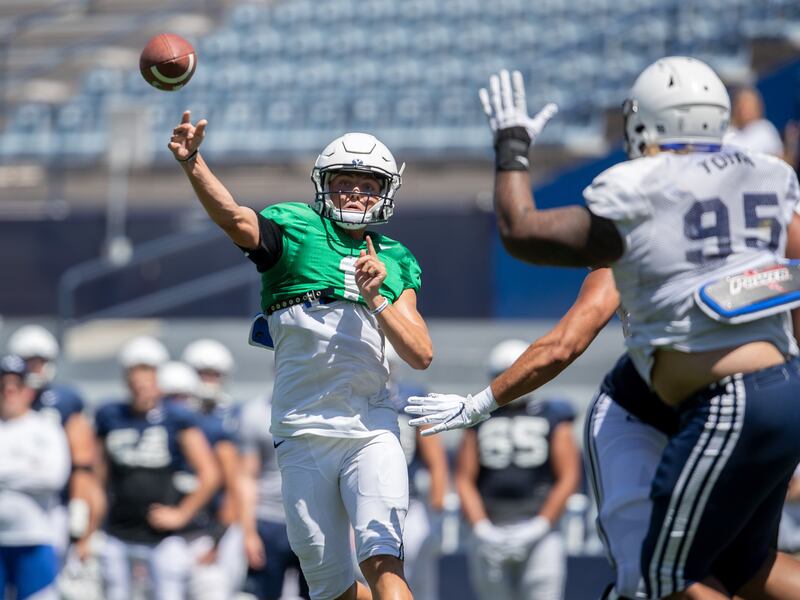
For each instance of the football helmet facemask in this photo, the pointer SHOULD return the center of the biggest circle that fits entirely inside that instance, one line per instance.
(356, 153)
(676, 102)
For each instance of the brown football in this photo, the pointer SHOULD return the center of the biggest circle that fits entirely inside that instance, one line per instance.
(168, 62)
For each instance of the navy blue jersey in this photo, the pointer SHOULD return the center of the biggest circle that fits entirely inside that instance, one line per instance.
(515, 472)
(58, 402)
(218, 426)
(143, 453)
(417, 471)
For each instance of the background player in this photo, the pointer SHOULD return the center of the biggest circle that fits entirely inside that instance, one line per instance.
(219, 417)
(333, 296)
(269, 555)
(514, 475)
(427, 486)
(33, 469)
(84, 501)
(144, 442)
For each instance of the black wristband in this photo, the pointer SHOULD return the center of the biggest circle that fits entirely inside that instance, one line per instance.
(511, 149)
(188, 158)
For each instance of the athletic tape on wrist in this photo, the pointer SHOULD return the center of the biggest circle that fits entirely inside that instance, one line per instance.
(511, 149)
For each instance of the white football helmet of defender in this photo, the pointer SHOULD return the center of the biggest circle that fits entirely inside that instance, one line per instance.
(34, 341)
(208, 355)
(143, 351)
(504, 354)
(363, 153)
(675, 101)
(213, 362)
(176, 378)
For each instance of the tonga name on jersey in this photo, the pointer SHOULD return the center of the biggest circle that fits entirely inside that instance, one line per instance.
(515, 472)
(687, 219)
(318, 255)
(143, 453)
(58, 403)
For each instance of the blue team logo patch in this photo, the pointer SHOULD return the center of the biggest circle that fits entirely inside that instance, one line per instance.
(752, 294)
(357, 162)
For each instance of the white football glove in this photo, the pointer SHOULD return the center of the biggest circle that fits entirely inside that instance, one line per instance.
(450, 411)
(529, 533)
(506, 105)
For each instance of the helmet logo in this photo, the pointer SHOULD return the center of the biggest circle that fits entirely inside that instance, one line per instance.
(357, 162)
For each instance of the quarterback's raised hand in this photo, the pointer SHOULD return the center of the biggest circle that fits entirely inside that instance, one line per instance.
(186, 138)
(370, 273)
(506, 105)
(450, 411)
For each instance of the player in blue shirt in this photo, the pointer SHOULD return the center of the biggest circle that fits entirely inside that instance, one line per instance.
(144, 442)
(514, 475)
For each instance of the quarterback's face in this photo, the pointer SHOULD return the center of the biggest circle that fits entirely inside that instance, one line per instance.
(354, 191)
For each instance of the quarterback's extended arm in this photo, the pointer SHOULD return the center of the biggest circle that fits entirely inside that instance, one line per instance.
(569, 236)
(239, 222)
(541, 362)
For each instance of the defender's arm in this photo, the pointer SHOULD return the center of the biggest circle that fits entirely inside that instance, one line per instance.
(569, 236)
(557, 349)
(541, 362)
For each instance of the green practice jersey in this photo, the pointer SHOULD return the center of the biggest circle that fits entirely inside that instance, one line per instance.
(318, 255)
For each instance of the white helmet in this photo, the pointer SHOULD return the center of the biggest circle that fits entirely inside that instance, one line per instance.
(177, 379)
(504, 354)
(208, 354)
(676, 101)
(143, 351)
(33, 341)
(363, 153)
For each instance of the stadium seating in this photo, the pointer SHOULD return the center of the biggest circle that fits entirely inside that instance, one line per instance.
(276, 78)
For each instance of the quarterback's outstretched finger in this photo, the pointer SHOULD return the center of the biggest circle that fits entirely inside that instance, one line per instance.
(200, 130)
(370, 247)
(186, 117)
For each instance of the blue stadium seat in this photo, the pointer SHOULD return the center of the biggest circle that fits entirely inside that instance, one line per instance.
(409, 68)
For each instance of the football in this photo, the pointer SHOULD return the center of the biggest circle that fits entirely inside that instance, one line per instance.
(168, 62)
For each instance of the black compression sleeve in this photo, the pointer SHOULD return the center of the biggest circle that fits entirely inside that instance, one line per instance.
(270, 245)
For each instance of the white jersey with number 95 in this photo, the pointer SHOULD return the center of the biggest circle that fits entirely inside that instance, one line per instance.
(687, 219)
